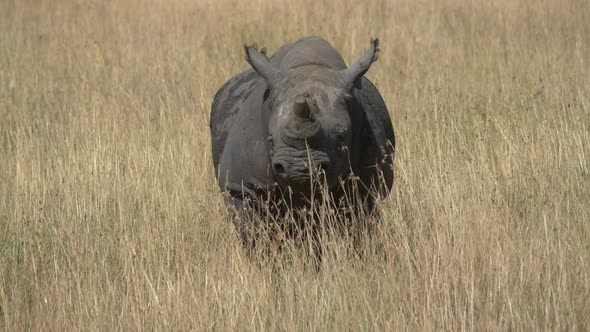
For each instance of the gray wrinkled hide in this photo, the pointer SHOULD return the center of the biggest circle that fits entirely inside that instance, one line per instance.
(239, 129)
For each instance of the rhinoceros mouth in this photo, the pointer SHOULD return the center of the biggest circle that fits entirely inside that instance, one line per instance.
(296, 168)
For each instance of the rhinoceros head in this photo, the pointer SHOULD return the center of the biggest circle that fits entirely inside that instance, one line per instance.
(310, 120)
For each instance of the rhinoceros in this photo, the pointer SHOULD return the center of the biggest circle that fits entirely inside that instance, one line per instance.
(300, 115)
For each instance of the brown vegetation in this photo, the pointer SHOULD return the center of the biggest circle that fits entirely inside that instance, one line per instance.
(110, 217)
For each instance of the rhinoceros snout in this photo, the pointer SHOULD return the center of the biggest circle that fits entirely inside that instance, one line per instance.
(289, 171)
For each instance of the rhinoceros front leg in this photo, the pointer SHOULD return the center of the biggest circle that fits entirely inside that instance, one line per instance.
(243, 217)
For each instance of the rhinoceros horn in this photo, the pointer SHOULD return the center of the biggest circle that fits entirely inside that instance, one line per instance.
(301, 107)
(302, 123)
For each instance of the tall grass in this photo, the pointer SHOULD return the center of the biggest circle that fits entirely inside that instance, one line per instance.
(110, 217)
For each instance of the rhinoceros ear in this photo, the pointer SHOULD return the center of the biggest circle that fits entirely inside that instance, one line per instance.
(259, 61)
(352, 74)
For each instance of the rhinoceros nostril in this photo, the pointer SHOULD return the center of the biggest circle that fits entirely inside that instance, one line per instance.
(279, 170)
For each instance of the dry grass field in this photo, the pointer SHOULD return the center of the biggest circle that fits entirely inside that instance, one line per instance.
(111, 219)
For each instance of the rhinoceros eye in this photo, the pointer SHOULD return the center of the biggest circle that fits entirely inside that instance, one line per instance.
(271, 142)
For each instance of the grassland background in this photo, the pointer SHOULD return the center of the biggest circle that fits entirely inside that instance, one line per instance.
(110, 217)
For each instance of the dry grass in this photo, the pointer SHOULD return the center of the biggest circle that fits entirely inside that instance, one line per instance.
(110, 217)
